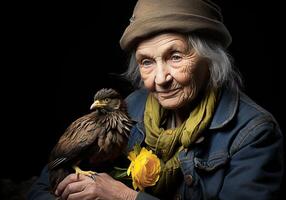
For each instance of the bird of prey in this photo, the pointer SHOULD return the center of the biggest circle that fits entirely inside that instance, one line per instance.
(98, 137)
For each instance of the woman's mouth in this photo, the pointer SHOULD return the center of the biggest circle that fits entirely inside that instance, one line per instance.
(167, 93)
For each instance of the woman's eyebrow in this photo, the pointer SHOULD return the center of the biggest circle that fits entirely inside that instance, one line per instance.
(176, 47)
(172, 48)
(139, 56)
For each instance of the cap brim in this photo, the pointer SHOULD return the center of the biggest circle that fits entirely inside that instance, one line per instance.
(142, 29)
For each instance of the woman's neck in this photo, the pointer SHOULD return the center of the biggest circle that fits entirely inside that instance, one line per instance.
(177, 117)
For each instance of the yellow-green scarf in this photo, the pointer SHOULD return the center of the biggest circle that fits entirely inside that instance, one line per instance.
(168, 143)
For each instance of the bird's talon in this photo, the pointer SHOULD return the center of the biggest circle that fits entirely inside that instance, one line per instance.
(78, 171)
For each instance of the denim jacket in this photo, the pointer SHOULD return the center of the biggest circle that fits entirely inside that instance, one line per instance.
(240, 156)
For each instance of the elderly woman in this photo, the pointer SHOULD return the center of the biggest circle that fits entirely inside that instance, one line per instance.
(213, 141)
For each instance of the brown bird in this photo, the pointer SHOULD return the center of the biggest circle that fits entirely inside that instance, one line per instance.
(96, 138)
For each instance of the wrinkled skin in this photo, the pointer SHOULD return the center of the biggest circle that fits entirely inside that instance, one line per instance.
(172, 71)
(85, 188)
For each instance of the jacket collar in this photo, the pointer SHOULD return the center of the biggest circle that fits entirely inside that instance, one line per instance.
(136, 104)
(226, 109)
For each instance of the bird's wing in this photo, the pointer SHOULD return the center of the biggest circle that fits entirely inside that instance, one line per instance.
(76, 140)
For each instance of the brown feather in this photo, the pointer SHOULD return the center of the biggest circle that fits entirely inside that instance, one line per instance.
(97, 137)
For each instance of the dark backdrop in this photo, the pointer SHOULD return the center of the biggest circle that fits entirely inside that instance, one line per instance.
(56, 56)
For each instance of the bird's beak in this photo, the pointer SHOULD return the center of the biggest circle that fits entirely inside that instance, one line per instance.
(97, 104)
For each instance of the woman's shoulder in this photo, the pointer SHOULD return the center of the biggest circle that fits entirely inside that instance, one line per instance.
(236, 105)
(243, 119)
(249, 105)
(254, 114)
(254, 123)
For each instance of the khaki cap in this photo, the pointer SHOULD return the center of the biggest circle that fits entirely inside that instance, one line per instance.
(151, 17)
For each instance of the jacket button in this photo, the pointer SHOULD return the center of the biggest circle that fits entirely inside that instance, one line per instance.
(189, 180)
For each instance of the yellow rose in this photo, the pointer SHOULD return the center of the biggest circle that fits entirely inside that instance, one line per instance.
(144, 168)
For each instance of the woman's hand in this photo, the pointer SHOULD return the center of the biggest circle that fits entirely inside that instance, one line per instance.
(101, 187)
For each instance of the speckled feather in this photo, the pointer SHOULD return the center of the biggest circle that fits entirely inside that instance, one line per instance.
(99, 136)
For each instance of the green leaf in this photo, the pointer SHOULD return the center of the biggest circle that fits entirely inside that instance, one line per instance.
(120, 169)
(120, 174)
(137, 149)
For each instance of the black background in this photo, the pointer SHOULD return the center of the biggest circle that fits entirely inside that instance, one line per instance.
(56, 56)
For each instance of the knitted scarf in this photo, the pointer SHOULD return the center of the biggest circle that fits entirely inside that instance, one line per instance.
(168, 143)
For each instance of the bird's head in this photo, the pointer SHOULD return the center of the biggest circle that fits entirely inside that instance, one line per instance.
(107, 99)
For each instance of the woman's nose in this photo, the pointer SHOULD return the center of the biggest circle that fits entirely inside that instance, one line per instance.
(163, 75)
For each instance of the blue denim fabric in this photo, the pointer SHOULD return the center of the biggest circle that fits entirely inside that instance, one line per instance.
(240, 156)
(40, 189)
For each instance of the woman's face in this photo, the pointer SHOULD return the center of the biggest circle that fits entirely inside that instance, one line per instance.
(171, 70)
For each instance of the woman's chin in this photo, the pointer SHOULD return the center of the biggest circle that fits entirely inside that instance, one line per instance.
(170, 104)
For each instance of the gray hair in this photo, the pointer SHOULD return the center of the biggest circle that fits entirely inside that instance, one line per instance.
(222, 71)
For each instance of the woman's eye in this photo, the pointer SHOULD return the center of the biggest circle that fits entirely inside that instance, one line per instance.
(176, 57)
(146, 62)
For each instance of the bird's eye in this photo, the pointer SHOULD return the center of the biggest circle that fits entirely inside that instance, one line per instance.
(106, 100)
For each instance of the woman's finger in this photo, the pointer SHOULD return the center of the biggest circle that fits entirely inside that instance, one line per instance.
(74, 188)
(69, 179)
(76, 196)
